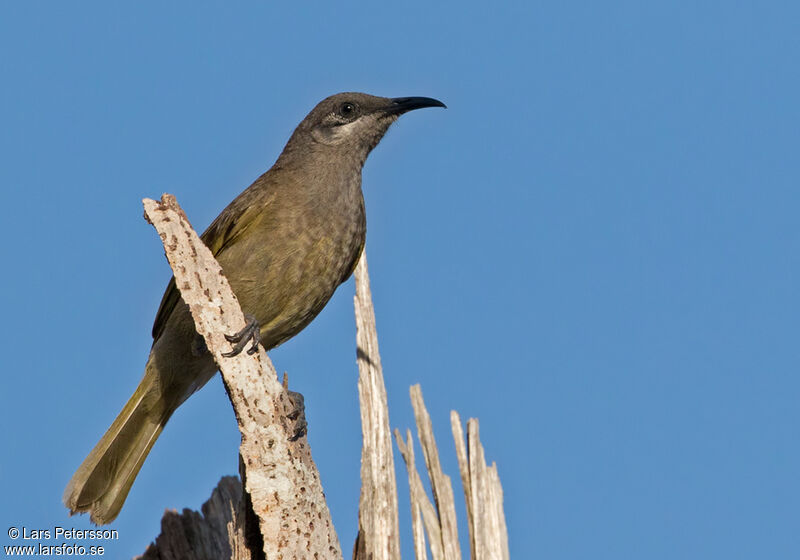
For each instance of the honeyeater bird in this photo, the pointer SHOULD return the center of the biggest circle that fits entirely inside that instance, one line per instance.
(285, 244)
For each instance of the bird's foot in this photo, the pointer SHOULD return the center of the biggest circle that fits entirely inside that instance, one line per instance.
(251, 331)
(298, 415)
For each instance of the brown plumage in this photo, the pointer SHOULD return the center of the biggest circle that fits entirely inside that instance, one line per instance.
(285, 244)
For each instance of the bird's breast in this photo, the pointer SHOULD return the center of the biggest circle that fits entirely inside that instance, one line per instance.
(294, 262)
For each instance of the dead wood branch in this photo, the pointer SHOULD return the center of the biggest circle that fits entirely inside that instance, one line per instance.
(440, 483)
(482, 491)
(200, 537)
(378, 532)
(279, 476)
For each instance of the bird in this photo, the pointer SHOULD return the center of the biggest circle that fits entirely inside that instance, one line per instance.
(285, 244)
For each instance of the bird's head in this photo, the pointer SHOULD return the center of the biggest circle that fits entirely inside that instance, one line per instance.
(354, 123)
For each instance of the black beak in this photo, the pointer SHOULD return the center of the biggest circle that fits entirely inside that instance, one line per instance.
(402, 105)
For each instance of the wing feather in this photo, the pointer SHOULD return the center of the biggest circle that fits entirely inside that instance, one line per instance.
(242, 213)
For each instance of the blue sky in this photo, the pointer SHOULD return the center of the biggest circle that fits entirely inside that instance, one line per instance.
(594, 250)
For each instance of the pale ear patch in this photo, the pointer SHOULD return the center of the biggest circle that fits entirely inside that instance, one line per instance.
(342, 132)
(332, 135)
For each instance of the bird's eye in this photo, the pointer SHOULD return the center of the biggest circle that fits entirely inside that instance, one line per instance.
(347, 109)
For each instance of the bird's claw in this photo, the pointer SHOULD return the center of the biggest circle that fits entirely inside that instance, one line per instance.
(298, 415)
(251, 331)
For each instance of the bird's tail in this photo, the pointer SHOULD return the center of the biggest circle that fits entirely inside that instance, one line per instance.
(102, 482)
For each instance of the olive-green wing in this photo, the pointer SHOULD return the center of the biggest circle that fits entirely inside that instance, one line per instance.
(351, 268)
(168, 303)
(237, 218)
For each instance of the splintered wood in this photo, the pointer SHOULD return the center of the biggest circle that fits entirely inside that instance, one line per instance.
(482, 492)
(378, 532)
